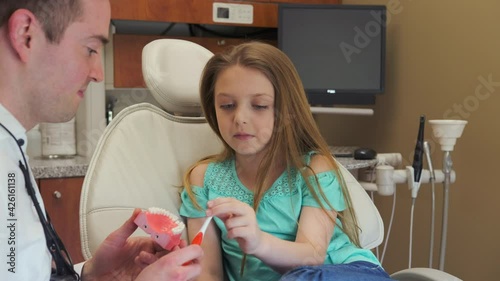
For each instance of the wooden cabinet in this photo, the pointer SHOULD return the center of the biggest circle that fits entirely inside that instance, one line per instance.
(308, 1)
(186, 11)
(127, 49)
(265, 13)
(62, 201)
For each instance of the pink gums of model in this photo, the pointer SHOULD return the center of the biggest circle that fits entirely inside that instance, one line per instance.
(164, 227)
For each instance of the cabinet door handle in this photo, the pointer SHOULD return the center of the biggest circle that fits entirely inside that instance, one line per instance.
(57, 194)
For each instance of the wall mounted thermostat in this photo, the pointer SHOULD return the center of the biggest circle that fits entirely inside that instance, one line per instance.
(233, 13)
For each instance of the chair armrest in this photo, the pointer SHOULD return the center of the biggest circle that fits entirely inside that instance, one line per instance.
(78, 268)
(423, 274)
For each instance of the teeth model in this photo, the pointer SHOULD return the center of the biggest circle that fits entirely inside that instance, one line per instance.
(164, 227)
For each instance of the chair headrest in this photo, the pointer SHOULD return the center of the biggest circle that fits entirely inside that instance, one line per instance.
(172, 70)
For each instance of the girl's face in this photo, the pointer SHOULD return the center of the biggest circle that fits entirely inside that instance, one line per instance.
(244, 106)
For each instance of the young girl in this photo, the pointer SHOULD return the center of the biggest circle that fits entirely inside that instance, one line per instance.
(278, 201)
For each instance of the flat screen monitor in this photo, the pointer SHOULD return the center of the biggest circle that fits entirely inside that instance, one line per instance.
(338, 50)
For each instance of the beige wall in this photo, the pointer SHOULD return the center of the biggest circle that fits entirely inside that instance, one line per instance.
(436, 52)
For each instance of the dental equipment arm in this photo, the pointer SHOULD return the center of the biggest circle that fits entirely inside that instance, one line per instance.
(417, 169)
(418, 158)
(427, 151)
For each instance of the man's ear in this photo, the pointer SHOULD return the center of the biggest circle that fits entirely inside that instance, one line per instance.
(21, 27)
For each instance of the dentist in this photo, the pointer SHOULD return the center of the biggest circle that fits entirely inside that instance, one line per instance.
(49, 53)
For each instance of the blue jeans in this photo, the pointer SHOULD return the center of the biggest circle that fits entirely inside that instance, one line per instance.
(355, 271)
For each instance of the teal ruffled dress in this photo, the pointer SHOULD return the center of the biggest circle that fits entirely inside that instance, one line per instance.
(278, 214)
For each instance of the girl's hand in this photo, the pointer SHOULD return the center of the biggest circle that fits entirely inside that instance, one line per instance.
(240, 221)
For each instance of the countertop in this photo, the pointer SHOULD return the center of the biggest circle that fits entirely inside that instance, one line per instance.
(77, 166)
(59, 168)
(352, 164)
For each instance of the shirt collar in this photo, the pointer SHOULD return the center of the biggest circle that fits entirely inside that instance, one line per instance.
(14, 126)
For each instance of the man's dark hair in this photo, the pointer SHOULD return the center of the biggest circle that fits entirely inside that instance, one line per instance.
(54, 15)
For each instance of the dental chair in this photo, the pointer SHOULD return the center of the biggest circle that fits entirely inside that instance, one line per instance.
(142, 155)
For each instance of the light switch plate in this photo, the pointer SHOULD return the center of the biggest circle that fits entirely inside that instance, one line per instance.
(232, 13)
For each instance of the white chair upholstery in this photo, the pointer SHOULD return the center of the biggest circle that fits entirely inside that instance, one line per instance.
(143, 153)
(369, 220)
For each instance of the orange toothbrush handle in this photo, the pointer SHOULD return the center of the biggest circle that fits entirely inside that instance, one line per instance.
(198, 239)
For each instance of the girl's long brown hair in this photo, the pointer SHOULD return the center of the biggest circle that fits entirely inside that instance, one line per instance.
(295, 131)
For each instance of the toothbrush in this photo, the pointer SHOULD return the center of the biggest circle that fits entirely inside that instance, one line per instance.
(199, 236)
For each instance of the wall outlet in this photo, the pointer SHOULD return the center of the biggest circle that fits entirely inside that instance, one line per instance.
(232, 13)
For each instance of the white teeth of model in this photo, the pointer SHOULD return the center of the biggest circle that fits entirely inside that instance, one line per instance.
(159, 211)
(179, 228)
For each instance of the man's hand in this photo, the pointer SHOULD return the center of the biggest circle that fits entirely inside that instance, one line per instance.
(119, 257)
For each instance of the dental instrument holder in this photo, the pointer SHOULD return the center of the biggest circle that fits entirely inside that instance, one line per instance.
(388, 177)
(447, 132)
